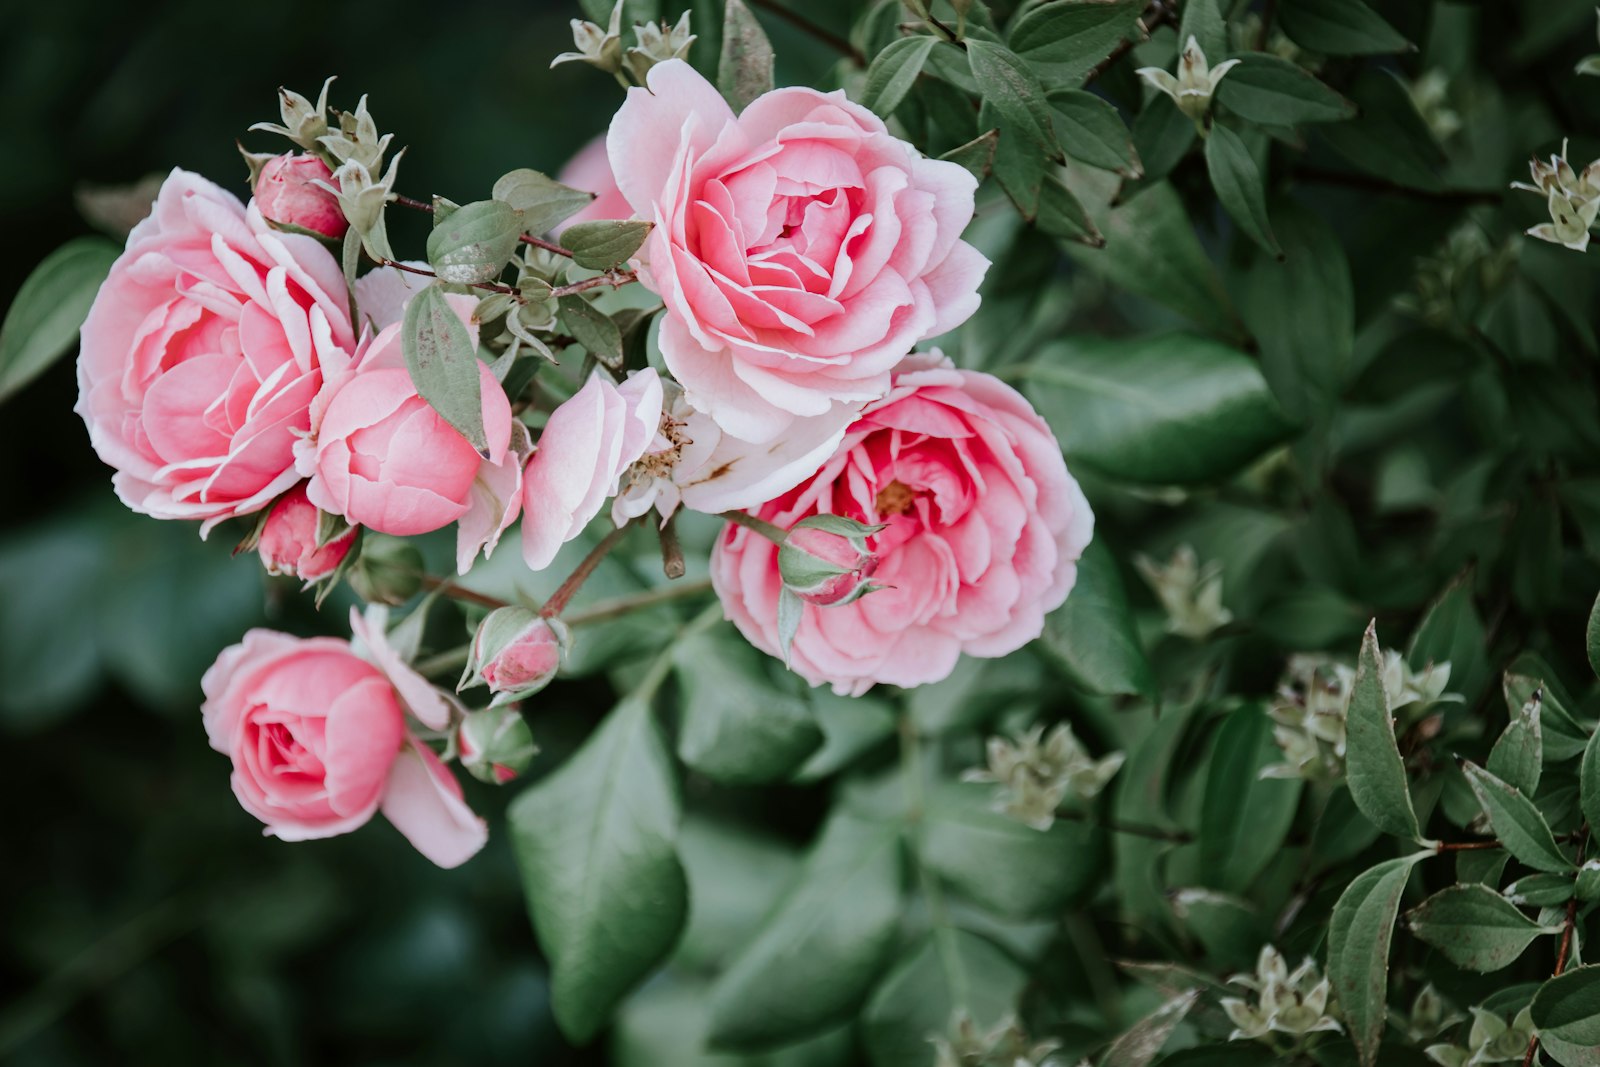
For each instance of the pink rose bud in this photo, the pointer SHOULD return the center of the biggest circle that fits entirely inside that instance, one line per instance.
(288, 543)
(495, 744)
(825, 560)
(515, 653)
(287, 194)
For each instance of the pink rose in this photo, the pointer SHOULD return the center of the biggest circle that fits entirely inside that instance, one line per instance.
(586, 445)
(801, 250)
(287, 193)
(985, 527)
(825, 568)
(288, 542)
(590, 170)
(516, 653)
(319, 743)
(203, 351)
(384, 458)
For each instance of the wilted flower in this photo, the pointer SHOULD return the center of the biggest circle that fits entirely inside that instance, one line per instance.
(1572, 197)
(357, 139)
(1491, 1040)
(1038, 771)
(304, 123)
(1296, 1004)
(1191, 89)
(1004, 1045)
(1191, 593)
(597, 47)
(1460, 276)
(362, 198)
(1430, 1015)
(657, 44)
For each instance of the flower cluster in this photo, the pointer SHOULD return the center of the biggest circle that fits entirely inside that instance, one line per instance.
(1005, 1044)
(1036, 772)
(1492, 1039)
(1294, 1003)
(1190, 592)
(1571, 196)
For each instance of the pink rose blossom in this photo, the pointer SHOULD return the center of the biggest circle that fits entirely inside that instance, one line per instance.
(382, 457)
(590, 170)
(203, 351)
(801, 250)
(851, 568)
(288, 194)
(586, 445)
(985, 526)
(319, 744)
(288, 544)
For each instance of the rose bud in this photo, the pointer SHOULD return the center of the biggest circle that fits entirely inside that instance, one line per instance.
(516, 653)
(495, 744)
(287, 194)
(825, 560)
(288, 543)
(388, 571)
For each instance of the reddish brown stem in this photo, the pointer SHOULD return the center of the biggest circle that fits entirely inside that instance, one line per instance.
(455, 592)
(1464, 846)
(614, 278)
(805, 25)
(575, 580)
(493, 287)
(548, 246)
(1154, 16)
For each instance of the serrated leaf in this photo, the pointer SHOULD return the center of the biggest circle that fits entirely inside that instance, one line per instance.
(591, 328)
(1589, 781)
(1065, 41)
(443, 363)
(1015, 93)
(43, 321)
(475, 242)
(1516, 822)
(744, 70)
(1092, 638)
(1568, 1007)
(543, 201)
(1238, 185)
(894, 71)
(950, 971)
(604, 243)
(816, 955)
(1339, 28)
(1374, 770)
(1272, 91)
(1518, 754)
(736, 726)
(1244, 818)
(1092, 131)
(595, 844)
(1359, 936)
(1475, 927)
(1170, 410)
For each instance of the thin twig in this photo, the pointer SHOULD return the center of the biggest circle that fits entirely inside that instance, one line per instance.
(1267, 15)
(821, 33)
(672, 564)
(548, 246)
(575, 580)
(624, 605)
(414, 205)
(445, 587)
(950, 35)
(614, 278)
(1464, 846)
(493, 287)
(1116, 826)
(775, 534)
(1155, 16)
(1382, 185)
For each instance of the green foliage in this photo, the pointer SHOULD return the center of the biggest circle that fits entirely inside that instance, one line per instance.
(444, 363)
(46, 312)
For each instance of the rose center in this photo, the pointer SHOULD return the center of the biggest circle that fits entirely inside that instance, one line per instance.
(895, 498)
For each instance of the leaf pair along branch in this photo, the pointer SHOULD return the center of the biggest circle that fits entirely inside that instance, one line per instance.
(527, 238)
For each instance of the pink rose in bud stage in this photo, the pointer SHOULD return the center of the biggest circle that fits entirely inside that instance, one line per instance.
(801, 249)
(288, 544)
(287, 194)
(319, 744)
(587, 444)
(203, 352)
(590, 170)
(516, 653)
(383, 458)
(812, 553)
(985, 527)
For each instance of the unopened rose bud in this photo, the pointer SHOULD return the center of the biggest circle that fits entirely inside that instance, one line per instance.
(389, 570)
(516, 653)
(288, 543)
(495, 744)
(291, 190)
(825, 560)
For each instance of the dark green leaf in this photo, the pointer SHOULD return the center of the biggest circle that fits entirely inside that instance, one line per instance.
(1203, 20)
(1091, 131)
(1243, 817)
(1568, 1007)
(443, 363)
(1091, 637)
(1359, 937)
(1388, 139)
(1339, 28)
(1270, 90)
(475, 242)
(1065, 41)
(543, 201)
(1475, 927)
(1541, 890)
(604, 243)
(950, 971)
(1516, 822)
(1518, 755)
(1162, 135)
(595, 843)
(1451, 632)
(1061, 215)
(1175, 409)
(43, 320)
(1591, 636)
(894, 71)
(1589, 781)
(591, 328)
(1238, 184)
(1374, 770)
(851, 726)
(1015, 93)
(737, 727)
(977, 155)
(745, 69)
(1145, 1039)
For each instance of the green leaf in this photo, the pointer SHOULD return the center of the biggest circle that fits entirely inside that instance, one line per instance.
(664, 1025)
(1244, 818)
(1018, 164)
(1359, 936)
(1168, 410)
(1145, 1039)
(1061, 215)
(1475, 927)
(1339, 28)
(1564, 737)
(1151, 249)
(1001, 864)
(1015, 93)
(1516, 822)
(851, 726)
(591, 328)
(43, 320)
(1518, 755)
(1591, 636)
(1064, 41)
(1141, 797)
(1388, 139)
(1229, 929)
(1238, 184)
(1203, 20)
(735, 874)
(1451, 632)
(893, 71)
(977, 155)
(737, 727)
(1092, 131)
(1272, 91)
(1232, 1054)
(1092, 638)
(595, 844)
(443, 363)
(1589, 781)
(1541, 890)
(543, 201)
(1162, 135)
(950, 971)
(1568, 1007)
(1374, 770)
(817, 953)
(604, 243)
(744, 71)
(475, 242)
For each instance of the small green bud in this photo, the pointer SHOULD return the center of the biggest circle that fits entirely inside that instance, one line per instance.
(389, 570)
(495, 744)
